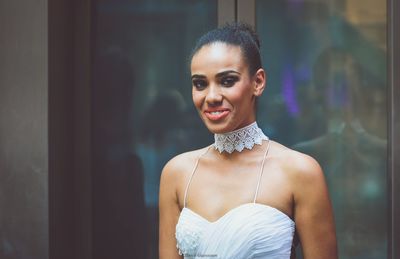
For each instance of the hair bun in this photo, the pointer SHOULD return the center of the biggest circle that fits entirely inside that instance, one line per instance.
(236, 34)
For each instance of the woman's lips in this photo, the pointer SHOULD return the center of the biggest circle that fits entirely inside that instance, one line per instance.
(215, 115)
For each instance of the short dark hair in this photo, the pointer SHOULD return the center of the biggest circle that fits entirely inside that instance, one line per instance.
(237, 34)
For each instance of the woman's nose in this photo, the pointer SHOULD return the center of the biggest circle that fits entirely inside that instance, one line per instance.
(214, 95)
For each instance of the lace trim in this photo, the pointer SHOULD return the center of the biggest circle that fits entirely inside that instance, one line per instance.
(239, 139)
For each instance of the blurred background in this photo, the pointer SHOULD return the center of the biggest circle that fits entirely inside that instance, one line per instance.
(80, 167)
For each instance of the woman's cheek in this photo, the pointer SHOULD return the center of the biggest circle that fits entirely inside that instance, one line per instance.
(196, 99)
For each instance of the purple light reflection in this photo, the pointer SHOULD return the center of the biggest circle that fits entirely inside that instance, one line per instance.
(289, 92)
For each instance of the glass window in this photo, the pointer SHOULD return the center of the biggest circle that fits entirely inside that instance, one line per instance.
(326, 96)
(143, 114)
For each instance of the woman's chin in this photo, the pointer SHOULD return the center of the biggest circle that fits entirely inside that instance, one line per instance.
(225, 126)
(218, 128)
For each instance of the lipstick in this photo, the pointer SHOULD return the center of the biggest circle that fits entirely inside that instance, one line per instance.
(216, 114)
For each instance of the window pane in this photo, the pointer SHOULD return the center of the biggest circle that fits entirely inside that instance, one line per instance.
(326, 96)
(142, 114)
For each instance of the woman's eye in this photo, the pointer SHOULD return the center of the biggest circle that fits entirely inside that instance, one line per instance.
(229, 81)
(199, 84)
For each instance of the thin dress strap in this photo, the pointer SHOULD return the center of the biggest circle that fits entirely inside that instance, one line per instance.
(191, 176)
(261, 172)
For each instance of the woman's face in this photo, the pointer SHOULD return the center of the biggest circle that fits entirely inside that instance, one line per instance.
(222, 89)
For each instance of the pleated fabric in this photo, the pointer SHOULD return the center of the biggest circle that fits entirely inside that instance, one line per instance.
(251, 230)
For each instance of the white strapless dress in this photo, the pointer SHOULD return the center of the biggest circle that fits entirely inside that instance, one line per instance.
(251, 230)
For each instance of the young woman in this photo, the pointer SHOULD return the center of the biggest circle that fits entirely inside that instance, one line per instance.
(244, 196)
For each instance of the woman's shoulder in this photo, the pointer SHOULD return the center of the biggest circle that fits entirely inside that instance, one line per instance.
(297, 164)
(182, 163)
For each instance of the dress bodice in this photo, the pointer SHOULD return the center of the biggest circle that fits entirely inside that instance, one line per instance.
(251, 230)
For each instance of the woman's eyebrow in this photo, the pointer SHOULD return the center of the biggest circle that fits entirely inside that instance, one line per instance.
(220, 74)
(198, 76)
(224, 73)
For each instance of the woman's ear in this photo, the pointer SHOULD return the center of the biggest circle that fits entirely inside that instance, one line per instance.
(260, 79)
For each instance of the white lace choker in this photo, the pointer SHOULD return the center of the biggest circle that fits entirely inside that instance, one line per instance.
(239, 139)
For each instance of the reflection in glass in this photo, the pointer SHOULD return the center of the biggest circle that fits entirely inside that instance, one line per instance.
(143, 114)
(326, 96)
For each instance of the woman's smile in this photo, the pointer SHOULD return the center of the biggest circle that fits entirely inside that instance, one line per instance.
(216, 114)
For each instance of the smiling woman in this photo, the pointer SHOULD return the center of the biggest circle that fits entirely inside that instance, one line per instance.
(251, 195)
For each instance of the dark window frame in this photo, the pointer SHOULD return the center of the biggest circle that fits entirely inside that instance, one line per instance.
(393, 20)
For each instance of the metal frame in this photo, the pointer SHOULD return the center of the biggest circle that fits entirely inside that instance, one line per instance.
(83, 190)
(246, 11)
(69, 119)
(226, 11)
(236, 10)
(393, 20)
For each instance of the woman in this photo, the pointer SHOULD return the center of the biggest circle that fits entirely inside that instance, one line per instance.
(244, 196)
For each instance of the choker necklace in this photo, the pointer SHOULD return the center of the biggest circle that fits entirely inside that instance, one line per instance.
(239, 139)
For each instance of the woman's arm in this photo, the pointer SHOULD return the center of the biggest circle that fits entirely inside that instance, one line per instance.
(313, 210)
(169, 213)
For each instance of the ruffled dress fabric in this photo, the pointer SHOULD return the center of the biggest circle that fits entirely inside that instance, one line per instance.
(251, 230)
